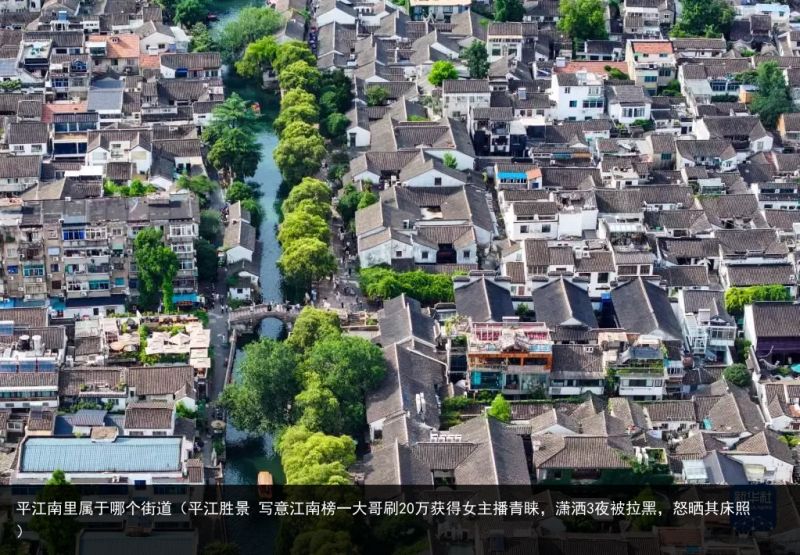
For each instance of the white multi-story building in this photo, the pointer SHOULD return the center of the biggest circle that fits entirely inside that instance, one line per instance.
(577, 96)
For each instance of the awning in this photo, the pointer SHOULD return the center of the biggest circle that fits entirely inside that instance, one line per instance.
(184, 298)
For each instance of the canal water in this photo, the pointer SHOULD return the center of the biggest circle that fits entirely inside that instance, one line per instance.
(248, 455)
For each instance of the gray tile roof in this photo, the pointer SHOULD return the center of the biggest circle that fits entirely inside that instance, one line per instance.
(482, 300)
(670, 411)
(644, 308)
(561, 303)
(144, 415)
(774, 319)
(685, 276)
(745, 275)
(20, 166)
(582, 452)
(402, 318)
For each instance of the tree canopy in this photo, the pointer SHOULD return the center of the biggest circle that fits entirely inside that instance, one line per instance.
(251, 24)
(300, 75)
(773, 97)
(236, 153)
(190, 12)
(290, 53)
(207, 260)
(306, 260)
(57, 532)
(313, 458)
(379, 282)
(298, 225)
(440, 71)
(200, 185)
(308, 189)
(377, 96)
(257, 57)
(737, 374)
(703, 18)
(312, 325)
(583, 19)
(476, 58)
(500, 409)
(300, 152)
(261, 399)
(318, 407)
(508, 10)
(737, 297)
(307, 113)
(157, 267)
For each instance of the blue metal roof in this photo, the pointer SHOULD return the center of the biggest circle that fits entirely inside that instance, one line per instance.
(125, 454)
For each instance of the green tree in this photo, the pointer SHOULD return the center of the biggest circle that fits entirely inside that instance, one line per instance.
(377, 96)
(703, 18)
(200, 185)
(256, 212)
(335, 126)
(300, 225)
(261, 399)
(380, 282)
(318, 407)
(296, 97)
(305, 261)
(336, 91)
(440, 71)
(476, 58)
(508, 10)
(315, 458)
(202, 41)
(673, 88)
(258, 57)
(57, 532)
(348, 203)
(614, 73)
(350, 367)
(321, 209)
(251, 24)
(368, 198)
(290, 53)
(307, 113)
(309, 188)
(238, 190)
(157, 267)
(207, 260)
(300, 152)
(236, 154)
(190, 12)
(582, 19)
(312, 325)
(300, 75)
(737, 374)
(500, 409)
(210, 227)
(773, 97)
(737, 297)
(233, 113)
(449, 160)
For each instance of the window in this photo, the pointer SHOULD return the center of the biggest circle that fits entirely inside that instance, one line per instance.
(53, 267)
(573, 103)
(466, 254)
(523, 229)
(437, 180)
(650, 78)
(55, 284)
(567, 90)
(593, 103)
(398, 254)
(546, 228)
(666, 156)
(424, 255)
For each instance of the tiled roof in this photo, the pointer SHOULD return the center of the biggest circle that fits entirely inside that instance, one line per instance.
(644, 308)
(652, 47)
(582, 452)
(670, 411)
(148, 415)
(773, 319)
(745, 275)
(159, 380)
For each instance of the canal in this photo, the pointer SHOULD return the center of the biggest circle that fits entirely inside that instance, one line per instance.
(247, 455)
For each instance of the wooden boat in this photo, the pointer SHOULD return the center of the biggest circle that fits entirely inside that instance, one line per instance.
(265, 485)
